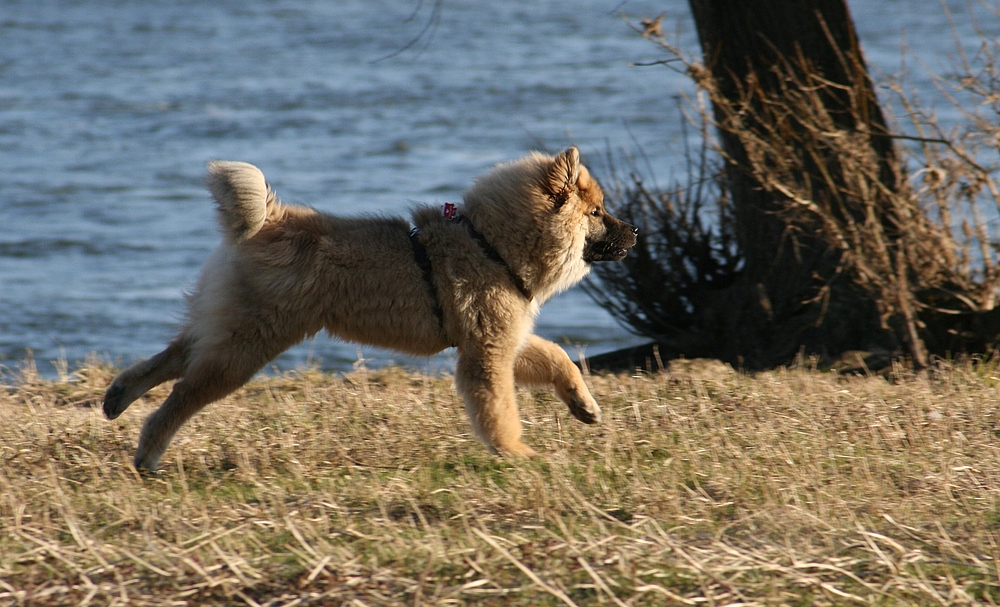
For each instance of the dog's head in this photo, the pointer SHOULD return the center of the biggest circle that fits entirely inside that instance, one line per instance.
(578, 198)
(546, 217)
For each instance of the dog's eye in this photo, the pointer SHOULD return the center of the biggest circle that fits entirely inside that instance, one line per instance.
(596, 212)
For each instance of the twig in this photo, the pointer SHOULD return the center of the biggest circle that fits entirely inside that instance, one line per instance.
(600, 583)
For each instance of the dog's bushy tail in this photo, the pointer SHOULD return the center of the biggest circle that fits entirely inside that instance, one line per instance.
(242, 195)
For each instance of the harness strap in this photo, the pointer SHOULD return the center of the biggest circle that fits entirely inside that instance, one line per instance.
(494, 255)
(424, 262)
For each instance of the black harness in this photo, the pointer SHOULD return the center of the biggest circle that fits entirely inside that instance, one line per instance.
(424, 262)
(420, 256)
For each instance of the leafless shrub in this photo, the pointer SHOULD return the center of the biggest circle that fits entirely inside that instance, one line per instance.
(906, 218)
(686, 253)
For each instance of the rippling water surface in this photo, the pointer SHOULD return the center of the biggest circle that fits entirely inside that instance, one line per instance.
(109, 111)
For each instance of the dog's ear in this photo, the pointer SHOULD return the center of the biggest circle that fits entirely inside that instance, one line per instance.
(563, 176)
(585, 181)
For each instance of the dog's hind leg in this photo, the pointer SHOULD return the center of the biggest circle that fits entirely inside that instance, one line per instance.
(486, 383)
(209, 376)
(143, 376)
(542, 362)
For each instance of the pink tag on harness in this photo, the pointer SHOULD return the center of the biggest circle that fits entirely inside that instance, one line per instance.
(449, 211)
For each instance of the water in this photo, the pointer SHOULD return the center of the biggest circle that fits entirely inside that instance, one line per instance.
(109, 111)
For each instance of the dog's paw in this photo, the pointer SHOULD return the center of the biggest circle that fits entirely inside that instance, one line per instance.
(146, 461)
(517, 450)
(146, 473)
(584, 408)
(114, 401)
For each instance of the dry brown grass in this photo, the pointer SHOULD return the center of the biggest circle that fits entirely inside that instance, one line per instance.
(703, 487)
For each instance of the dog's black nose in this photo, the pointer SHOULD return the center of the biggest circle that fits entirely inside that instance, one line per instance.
(635, 231)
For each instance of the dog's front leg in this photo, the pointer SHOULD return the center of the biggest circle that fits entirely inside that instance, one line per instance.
(542, 362)
(485, 379)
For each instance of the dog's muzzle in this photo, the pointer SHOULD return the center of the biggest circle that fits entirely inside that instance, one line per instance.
(618, 238)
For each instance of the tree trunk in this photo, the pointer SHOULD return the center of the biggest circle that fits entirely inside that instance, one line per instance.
(793, 293)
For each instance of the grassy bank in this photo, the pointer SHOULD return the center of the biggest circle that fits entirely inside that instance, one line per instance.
(703, 487)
